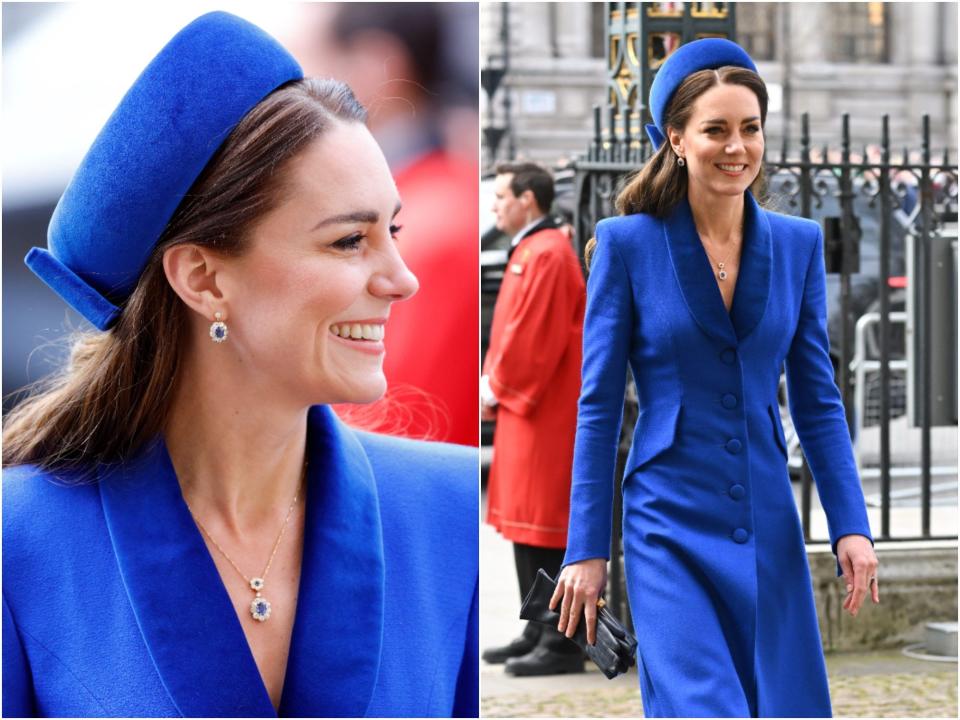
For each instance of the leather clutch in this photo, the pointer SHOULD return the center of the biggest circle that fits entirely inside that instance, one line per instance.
(615, 649)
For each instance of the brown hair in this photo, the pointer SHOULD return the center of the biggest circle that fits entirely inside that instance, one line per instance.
(661, 183)
(116, 390)
(532, 177)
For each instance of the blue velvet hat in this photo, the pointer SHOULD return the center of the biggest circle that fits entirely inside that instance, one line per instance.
(704, 54)
(149, 153)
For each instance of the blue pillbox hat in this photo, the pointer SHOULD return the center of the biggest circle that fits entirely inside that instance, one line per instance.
(704, 54)
(151, 150)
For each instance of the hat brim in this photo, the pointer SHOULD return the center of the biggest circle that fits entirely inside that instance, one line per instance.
(72, 288)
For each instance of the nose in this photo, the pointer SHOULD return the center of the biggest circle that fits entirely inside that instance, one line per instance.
(735, 144)
(393, 280)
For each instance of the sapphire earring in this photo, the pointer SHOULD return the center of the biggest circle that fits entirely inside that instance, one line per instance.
(218, 329)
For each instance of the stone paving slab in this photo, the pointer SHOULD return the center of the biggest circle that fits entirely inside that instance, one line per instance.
(861, 685)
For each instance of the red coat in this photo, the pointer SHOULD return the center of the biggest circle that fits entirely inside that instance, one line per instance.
(534, 368)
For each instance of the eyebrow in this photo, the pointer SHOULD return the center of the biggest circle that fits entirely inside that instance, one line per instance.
(721, 121)
(357, 216)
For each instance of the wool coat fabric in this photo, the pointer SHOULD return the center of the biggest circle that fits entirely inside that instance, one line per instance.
(717, 574)
(112, 604)
(533, 364)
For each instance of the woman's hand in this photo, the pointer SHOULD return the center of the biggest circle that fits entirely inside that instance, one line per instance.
(579, 587)
(859, 565)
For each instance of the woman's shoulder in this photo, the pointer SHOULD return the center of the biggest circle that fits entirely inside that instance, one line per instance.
(44, 508)
(422, 462)
(426, 489)
(433, 453)
(622, 225)
(27, 488)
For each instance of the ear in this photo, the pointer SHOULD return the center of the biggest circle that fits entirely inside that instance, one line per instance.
(675, 138)
(528, 199)
(192, 273)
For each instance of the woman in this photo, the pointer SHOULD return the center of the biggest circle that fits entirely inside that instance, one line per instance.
(705, 295)
(187, 527)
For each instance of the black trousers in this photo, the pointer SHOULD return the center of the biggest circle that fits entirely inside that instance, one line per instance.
(529, 559)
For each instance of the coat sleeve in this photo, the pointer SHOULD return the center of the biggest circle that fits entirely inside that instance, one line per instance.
(536, 334)
(817, 411)
(17, 683)
(466, 702)
(607, 327)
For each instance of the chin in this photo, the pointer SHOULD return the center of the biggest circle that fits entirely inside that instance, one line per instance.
(367, 392)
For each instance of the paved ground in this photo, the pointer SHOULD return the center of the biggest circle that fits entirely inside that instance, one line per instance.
(910, 693)
(882, 684)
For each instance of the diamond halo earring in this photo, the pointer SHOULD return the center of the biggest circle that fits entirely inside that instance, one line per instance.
(218, 329)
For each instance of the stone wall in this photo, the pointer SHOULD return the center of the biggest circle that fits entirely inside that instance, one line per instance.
(918, 584)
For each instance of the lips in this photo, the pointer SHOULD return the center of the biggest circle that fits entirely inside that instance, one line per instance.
(731, 168)
(363, 335)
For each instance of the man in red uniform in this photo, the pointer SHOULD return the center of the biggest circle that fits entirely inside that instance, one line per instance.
(530, 385)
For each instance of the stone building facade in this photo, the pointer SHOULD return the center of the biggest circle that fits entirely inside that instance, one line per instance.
(865, 59)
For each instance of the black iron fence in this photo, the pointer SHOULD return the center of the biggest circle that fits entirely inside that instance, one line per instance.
(889, 217)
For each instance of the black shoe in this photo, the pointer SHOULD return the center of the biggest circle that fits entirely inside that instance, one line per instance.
(541, 661)
(517, 647)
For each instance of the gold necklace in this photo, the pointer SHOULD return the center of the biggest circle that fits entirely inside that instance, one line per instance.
(722, 274)
(259, 606)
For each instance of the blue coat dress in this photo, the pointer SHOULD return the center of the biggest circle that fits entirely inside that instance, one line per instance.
(717, 574)
(112, 605)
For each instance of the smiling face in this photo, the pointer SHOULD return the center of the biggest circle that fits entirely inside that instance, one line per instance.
(722, 142)
(310, 297)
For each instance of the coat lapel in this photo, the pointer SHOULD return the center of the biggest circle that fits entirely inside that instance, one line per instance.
(183, 610)
(699, 285)
(336, 645)
(185, 614)
(753, 281)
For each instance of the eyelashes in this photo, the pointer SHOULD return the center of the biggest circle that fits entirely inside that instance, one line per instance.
(352, 242)
(752, 128)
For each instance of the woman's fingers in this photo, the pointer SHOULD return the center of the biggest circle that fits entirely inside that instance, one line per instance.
(590, 617)
(557, 594)
(576, 610)
(859, 565)
(565, 609)
(863, 570)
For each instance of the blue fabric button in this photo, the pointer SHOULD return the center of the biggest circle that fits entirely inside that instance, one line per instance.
(729, 401)
(729, 356)
(737, 491)
(740, 535)
(734, 446)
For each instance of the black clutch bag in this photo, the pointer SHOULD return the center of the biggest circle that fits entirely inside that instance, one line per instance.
(615, 649)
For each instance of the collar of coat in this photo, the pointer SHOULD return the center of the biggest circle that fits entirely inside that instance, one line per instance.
(546, 223)
(699, 284)
(187, 618)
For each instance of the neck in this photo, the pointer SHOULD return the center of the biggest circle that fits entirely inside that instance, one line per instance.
(718, 217)
(532, 217)
(238, 455)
